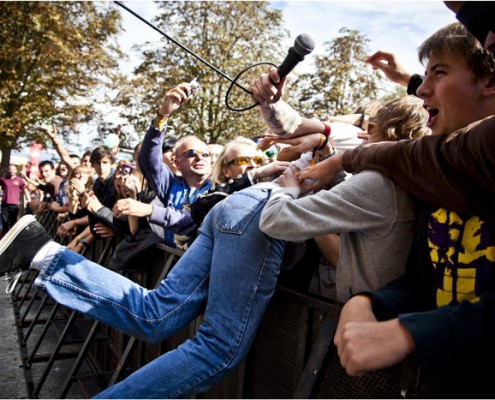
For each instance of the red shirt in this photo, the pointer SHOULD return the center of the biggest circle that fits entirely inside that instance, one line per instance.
(11, 189)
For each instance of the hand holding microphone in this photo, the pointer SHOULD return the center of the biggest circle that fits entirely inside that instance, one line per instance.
(269, 87)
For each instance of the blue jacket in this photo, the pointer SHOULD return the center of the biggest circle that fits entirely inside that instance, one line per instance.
(169, 188)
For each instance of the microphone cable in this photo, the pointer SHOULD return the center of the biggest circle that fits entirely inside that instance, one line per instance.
(233, 82)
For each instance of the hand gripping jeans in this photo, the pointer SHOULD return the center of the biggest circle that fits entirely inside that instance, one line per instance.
(232, 268)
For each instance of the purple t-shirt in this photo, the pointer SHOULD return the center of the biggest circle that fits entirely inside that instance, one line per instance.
(11, 189)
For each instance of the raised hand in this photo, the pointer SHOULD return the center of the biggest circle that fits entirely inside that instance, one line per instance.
(174, 98)
(51, 131)
(390, 66)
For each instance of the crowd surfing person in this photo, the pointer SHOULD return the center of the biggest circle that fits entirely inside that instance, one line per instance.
(203, 280)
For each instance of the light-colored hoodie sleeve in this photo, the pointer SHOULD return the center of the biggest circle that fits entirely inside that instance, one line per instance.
(360, 203)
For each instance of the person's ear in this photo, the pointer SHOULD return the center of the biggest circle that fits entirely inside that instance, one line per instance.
(489, 88)
(225, 172)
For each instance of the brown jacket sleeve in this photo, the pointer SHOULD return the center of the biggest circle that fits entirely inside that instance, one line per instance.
(454, 171)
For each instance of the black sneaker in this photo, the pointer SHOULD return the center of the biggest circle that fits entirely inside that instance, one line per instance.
(21, 243)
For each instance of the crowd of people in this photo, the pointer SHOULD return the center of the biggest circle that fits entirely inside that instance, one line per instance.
(393, 205)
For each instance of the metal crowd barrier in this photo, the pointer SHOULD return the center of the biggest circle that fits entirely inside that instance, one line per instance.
(292, 356)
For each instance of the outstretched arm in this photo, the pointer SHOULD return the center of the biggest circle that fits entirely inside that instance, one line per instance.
(151, 164)
(61, 150)
(454, 171)
(395, 71)
(33, 182)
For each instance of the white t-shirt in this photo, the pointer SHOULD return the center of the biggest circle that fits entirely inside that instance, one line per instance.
(344, 136)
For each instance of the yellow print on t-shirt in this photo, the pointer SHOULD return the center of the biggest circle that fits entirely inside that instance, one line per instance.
(462, 250)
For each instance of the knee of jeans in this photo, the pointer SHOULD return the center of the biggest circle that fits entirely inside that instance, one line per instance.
(226, 350)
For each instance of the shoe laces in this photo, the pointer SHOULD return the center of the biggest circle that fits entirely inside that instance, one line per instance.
(13, 281)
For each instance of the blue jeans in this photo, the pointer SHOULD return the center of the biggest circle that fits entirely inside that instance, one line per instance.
(232, 268)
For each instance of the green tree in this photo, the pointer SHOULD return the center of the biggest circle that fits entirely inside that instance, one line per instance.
(341, 81)
(229, 35)
(52, 56)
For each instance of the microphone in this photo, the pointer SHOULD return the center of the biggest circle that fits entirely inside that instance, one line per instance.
(303, 45)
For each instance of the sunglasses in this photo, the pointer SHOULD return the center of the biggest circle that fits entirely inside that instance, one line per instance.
(244, 160)
(190, 153)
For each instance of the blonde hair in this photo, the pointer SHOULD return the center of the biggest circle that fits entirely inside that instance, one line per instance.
(403, 118)
(369, 108)
(218, 175)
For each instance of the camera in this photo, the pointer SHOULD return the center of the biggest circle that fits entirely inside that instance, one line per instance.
(194, 87)
(126, 169)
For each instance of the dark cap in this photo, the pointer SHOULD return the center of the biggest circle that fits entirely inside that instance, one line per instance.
(168, 143)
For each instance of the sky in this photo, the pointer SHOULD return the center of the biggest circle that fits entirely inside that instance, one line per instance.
(395, 26)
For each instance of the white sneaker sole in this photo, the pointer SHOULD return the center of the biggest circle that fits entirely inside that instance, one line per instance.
(14, 231)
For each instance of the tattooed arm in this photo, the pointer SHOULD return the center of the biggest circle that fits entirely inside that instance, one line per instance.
(282, 119)
(279, 117)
